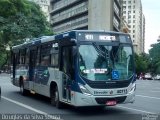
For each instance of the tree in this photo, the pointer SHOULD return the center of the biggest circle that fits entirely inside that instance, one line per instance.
(20, 19)
(155, 58)
(142, 63)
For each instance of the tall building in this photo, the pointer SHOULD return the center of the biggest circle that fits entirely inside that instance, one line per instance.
(143, 32)
(85, 14)
(44, 4)
(132, 13)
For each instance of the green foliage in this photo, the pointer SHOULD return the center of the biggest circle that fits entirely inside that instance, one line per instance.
(155, 57)
(20, 19)
(142, 63)
(3, 57)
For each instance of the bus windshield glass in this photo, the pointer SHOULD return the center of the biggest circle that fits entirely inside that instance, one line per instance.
(97, 62)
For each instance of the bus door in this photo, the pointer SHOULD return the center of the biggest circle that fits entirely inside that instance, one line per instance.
(67, 69)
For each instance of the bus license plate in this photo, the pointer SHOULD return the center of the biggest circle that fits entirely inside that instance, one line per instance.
(111, 103)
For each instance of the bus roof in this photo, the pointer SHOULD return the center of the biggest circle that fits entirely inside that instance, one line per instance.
(69, 34)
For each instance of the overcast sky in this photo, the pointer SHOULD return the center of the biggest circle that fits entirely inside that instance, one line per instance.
(151, 10)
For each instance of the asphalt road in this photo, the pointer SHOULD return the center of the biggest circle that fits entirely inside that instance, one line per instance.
(15, 106)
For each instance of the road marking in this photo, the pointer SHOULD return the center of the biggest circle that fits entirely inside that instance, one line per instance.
(155, 91)
(29, 107)
(135, 109)
(148, 97)
(157, 88)
(23, 105)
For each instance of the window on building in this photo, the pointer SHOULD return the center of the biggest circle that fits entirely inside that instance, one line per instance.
(133, 6)
(124, 7)
(129, 21)
(129, 16)
(129, 7)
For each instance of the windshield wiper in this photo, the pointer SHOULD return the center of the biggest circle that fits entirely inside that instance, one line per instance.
(99, 50)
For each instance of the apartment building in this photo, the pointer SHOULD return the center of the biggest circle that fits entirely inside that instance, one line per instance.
(44, 4)
(132, 13)
(143, 32)
(68, 15)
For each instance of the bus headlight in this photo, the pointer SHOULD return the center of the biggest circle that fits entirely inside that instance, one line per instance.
(84, 90)
(133, 88)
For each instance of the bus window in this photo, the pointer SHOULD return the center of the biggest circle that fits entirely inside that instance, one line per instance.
(45, 60)
(45, 55)
(54, 60)
(22, 56)
(67, 61)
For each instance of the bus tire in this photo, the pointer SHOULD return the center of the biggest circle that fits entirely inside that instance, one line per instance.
(55, 98)
(22, 90)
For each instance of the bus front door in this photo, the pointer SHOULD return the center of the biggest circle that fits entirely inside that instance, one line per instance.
(67, 72)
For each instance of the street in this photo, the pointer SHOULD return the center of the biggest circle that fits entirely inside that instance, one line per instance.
(146, 106)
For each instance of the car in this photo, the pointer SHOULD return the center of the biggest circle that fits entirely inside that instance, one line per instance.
(148, 76)
(157, 77)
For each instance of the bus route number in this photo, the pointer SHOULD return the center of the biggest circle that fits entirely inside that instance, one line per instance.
(123, 91)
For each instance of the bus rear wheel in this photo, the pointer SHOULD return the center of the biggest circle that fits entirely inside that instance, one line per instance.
(55, 98)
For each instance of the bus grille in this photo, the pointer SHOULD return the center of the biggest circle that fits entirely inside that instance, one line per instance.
(104, 85)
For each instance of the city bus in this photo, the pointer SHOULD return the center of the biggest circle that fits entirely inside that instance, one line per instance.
(79, 68)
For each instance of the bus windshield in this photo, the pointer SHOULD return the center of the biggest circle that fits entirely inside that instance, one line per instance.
(97, 62)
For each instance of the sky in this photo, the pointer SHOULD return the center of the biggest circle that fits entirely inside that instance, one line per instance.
(151, 10)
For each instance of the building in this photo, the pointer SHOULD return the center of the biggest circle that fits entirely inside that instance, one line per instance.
(67, 15)
(44, 4)
(132, 13)
(143, 32)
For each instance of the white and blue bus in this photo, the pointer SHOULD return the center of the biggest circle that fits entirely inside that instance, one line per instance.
(79, 68)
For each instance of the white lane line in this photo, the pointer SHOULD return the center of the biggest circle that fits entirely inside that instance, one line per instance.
(156, 88)
(23, 105)
(155, 91)
(135, 109)
(28, 107)
(148, 97)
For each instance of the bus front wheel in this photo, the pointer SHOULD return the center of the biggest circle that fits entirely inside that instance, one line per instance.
(55, 98)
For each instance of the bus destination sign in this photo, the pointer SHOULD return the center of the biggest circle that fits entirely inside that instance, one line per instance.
(99, 37)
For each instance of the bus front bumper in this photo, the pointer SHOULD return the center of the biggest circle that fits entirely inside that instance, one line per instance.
(89, 100)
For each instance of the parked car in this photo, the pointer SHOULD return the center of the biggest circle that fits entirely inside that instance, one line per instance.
(148, 76)
(157, 77)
